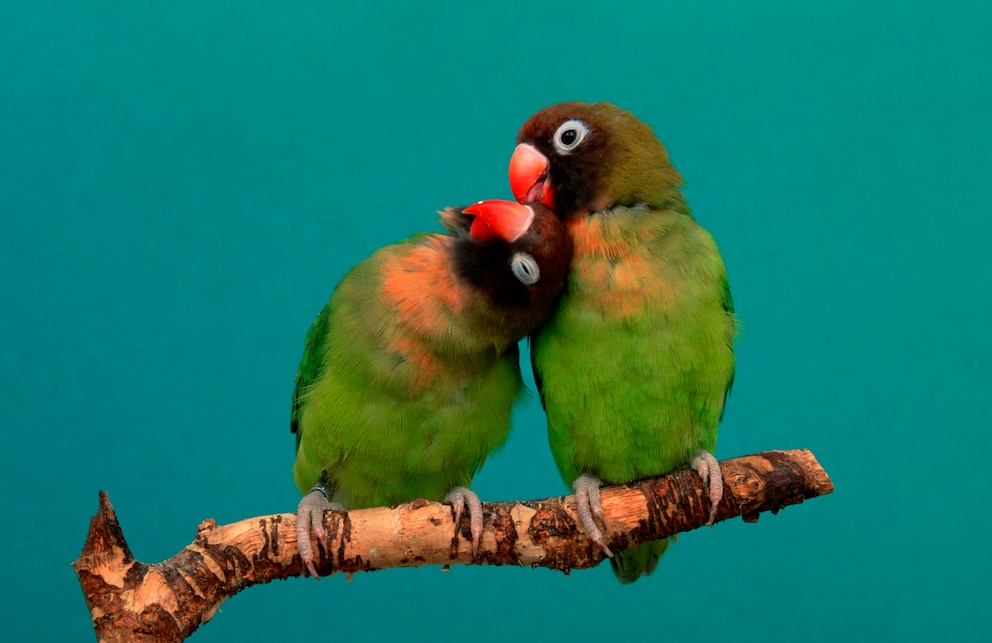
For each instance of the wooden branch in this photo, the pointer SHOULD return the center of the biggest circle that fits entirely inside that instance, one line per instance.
(134, 601)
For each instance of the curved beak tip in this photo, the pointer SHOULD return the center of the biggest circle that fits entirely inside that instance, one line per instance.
(499, 219)
(528, 174)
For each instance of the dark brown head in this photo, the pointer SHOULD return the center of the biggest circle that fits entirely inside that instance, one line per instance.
(518, 255)
(578, 158)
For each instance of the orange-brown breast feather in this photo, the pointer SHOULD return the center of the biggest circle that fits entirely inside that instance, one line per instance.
(420, 289)
(614, 267)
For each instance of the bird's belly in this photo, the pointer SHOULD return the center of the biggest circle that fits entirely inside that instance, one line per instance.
(635, 400)
(380, 446)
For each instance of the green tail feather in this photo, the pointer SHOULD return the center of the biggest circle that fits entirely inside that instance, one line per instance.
(634, 562)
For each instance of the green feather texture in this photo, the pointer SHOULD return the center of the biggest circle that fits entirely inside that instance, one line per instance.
(634, 371)
(630, 564)
(410, 372)
(636, 363)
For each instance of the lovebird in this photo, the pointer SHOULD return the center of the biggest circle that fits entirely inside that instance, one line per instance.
(635, 365)
(410, 371)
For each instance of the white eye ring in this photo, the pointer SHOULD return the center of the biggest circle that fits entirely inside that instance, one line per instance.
(569, 135)
(525, 268)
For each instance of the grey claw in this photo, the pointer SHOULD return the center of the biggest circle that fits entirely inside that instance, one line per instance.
(709, 470)
(460, 497)
(310, 520)
(586, 488)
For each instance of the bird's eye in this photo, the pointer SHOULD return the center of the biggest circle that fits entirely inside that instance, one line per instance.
(568, 135)
(525, 268)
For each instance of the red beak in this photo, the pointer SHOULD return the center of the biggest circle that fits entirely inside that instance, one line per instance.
(529, 176)
(498, 219)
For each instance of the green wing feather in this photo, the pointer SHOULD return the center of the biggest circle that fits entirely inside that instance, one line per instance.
(310, 368)
(728, 307)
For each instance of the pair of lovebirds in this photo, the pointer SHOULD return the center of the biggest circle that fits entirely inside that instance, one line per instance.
(411, 370)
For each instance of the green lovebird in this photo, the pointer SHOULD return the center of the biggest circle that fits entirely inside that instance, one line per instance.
(635, 365)
(410, 371)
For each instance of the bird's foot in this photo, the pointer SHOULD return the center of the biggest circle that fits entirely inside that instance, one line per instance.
(709, 470)
(310, 519)
(460, 498)
(586, 488)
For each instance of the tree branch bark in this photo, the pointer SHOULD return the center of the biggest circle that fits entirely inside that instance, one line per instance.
(134, 601)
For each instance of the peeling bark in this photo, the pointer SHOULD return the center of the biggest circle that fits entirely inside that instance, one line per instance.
(134, 601)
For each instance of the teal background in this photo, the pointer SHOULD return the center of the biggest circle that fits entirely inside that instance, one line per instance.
(183, 183)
